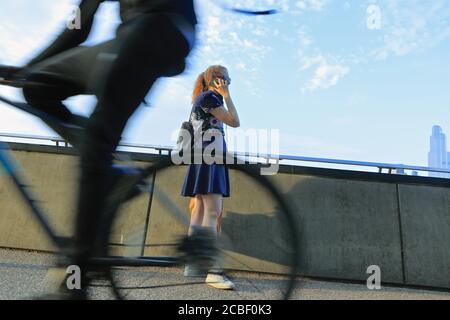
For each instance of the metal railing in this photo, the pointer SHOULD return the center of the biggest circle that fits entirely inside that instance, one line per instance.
(267, 158)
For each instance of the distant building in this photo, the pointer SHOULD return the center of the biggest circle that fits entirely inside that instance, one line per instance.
(438, 157)
(448, 160)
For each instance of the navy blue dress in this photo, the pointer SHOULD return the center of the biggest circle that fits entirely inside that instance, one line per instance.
(207, 178)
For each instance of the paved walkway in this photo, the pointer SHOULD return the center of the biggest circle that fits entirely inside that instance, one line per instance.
(22, 275)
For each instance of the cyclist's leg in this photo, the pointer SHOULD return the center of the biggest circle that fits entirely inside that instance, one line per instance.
(49, 96)
(147, 49)
(73, 72)
(219, 220)
(197, 208)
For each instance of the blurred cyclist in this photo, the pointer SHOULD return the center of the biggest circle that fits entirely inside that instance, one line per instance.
(152, 41)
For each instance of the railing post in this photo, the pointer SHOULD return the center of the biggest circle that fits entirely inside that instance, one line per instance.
(147, 217)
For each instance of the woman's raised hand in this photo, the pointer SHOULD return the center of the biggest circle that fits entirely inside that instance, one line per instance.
(222, 87)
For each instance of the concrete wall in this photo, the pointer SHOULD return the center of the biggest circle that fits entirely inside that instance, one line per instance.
(426, 237)
(348, 220)
(54, 178)
(346, 226)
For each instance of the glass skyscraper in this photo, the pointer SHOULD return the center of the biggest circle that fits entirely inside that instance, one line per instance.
(438, 157)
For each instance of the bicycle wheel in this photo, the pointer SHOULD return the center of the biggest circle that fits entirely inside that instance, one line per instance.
(258, 240)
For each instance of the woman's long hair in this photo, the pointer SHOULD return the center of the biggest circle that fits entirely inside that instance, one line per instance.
(205, 78)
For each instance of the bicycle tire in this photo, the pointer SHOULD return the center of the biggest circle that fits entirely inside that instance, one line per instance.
(284, 213)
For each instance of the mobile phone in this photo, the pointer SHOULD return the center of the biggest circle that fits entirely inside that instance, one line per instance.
(213, 82)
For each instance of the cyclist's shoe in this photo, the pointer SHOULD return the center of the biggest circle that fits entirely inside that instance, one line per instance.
(199, 249)
(219, 281)
(191, 270)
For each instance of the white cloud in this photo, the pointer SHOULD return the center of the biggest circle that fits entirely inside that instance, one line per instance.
(313, 5)
(235, 41)
(304, 39)
(327, 76)
(23, 35)
(412, 25)
(325, 72)
(306, 62)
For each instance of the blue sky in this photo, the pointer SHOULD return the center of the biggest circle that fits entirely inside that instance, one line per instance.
(332, 86)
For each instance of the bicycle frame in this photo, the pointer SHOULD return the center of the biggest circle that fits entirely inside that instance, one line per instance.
(14, 171)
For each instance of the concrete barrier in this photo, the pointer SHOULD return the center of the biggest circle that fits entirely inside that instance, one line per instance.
(346, 226)
(348, 220)
(53, 179)
(426, 235)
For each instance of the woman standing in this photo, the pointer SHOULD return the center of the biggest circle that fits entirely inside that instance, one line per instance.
(208, 184)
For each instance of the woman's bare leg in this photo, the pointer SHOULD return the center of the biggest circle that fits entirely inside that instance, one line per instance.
(212, 204)
(212, 219)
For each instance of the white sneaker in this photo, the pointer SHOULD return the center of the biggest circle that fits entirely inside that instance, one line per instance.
(219, 281)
